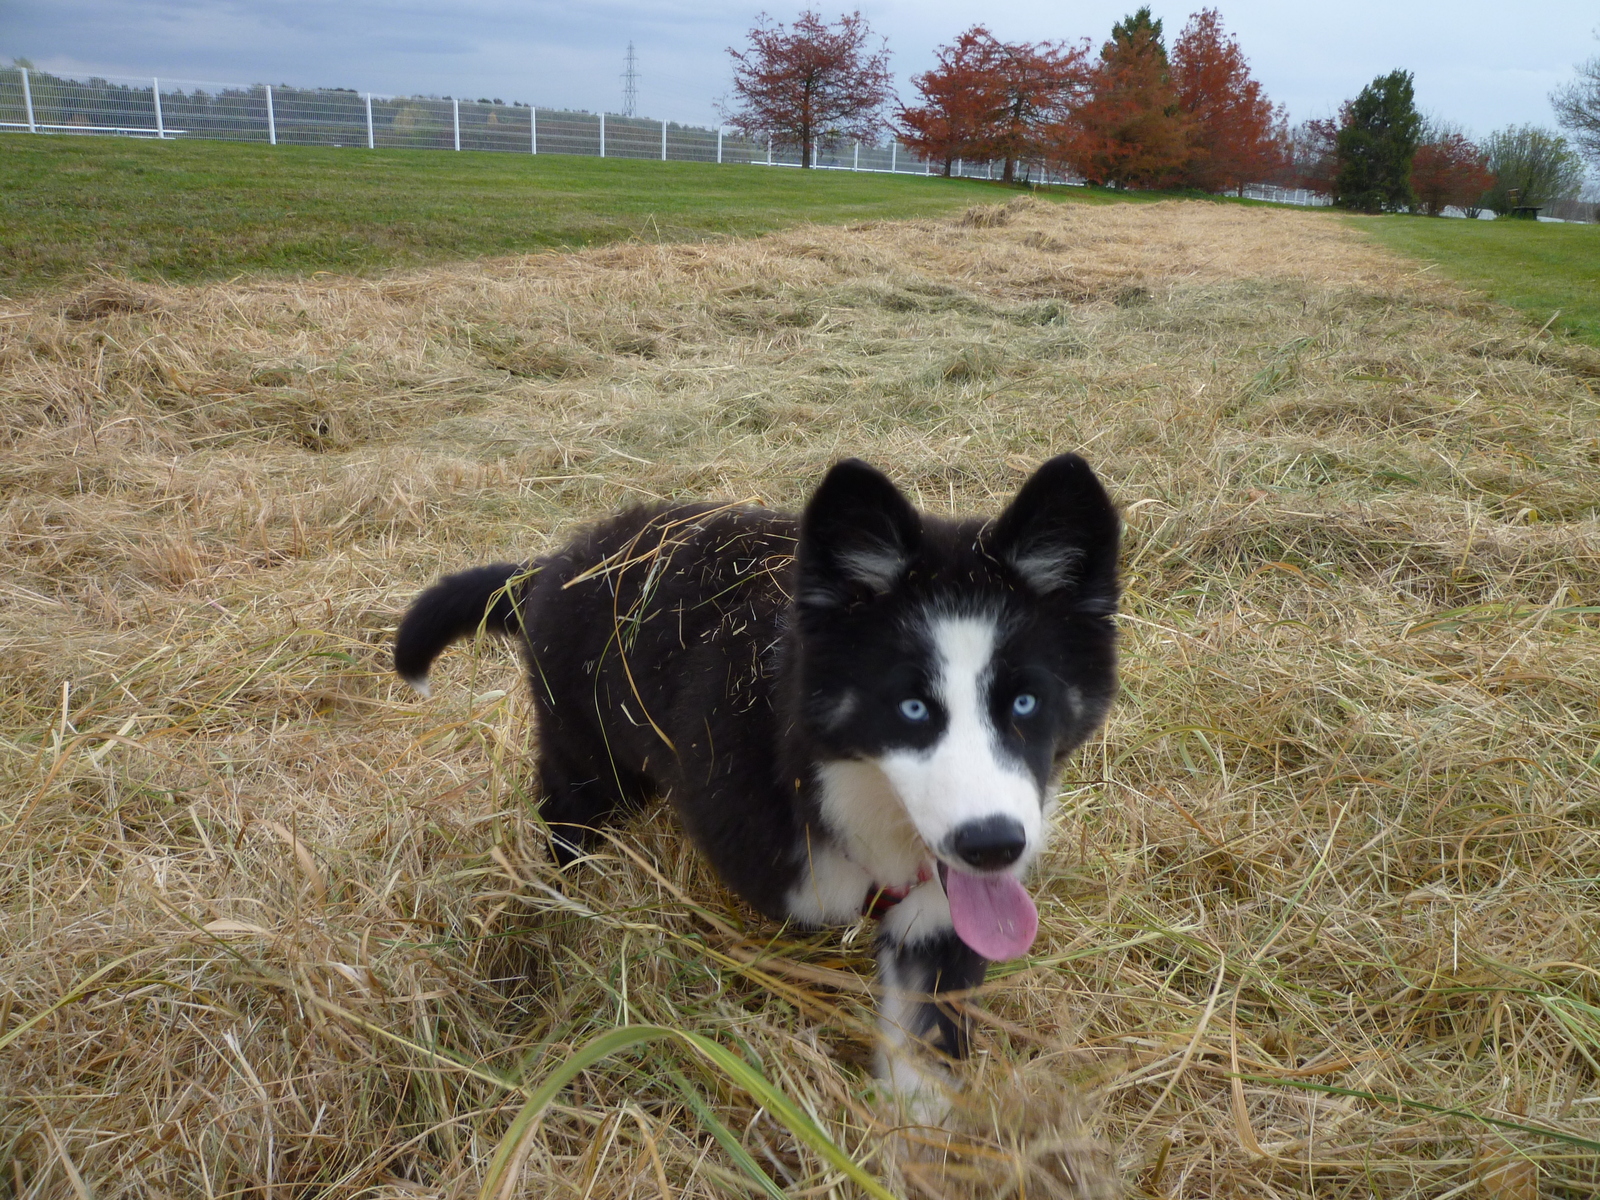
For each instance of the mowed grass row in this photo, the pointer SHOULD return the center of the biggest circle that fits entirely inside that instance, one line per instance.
(188, 211)
(1319, 915)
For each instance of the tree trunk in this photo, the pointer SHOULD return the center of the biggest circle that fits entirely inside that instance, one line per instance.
(808, 128)
(1009, 175)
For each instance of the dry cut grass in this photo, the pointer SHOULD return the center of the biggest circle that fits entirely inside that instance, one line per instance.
(1322, 911)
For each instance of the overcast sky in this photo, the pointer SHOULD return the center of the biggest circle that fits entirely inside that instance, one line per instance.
(1480, 63)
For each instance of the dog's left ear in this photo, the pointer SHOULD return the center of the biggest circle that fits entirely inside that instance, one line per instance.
(1061, 535)
(857, 536)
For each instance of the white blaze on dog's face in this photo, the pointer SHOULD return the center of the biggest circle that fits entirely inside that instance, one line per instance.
(965, 779)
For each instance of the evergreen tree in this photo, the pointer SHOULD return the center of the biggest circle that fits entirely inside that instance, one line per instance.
(1236, 136)
(1376, 146)
(1139, 34)
(1130, 130)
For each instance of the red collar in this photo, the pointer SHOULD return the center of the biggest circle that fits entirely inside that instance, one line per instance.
(881, 897)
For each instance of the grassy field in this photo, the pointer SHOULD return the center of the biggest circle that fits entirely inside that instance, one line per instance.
(190, 210)
(194, 210)
(1551, 272)
(1320, 914)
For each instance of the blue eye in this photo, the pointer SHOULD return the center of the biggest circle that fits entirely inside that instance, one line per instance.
(914, 710)
(1024, 704)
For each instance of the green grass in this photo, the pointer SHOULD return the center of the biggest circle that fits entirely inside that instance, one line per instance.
(191, 210)
(184, 211)
(1536, 267)
(203, 210)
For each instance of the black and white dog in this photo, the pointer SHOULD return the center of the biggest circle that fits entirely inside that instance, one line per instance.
(862, 709)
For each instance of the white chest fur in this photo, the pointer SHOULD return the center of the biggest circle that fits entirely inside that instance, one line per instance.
(873, 843)
(863, 811)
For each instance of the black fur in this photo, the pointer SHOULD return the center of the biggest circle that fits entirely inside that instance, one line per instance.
(705, 653)
(931, 967)
(457, 606)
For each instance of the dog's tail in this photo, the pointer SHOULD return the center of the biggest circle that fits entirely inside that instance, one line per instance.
(457, 606)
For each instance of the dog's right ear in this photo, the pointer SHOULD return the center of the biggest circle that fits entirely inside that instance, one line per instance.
(857, 536)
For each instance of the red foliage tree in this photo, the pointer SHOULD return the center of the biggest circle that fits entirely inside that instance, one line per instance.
(1449, 169)
(810, 82)
(989, 99)
(1235, 135)
(958, 104)
(1130, 130)
(1033, 84)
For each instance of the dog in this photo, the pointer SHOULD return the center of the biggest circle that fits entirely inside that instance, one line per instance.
(859, 710)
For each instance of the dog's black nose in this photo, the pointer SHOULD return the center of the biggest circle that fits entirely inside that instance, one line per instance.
(989, 842)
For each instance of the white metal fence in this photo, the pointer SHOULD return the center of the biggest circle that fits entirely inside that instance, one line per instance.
(44, 102)
(41, 102)
(1283, 195)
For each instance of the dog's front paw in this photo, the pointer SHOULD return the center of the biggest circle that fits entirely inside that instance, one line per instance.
(913, 1093)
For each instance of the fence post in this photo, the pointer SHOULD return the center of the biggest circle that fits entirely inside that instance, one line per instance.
(272, 120)
(602, 135)
(894, 147)
(719, 145)
(960, 167)
(27, 101)
(155, 94)
(533, 126)
(769, 150)
(663, 141)
(855, 163)
(456, 110)
(370, 145)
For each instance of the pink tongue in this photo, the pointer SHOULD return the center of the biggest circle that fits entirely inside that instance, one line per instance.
(991, 913)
